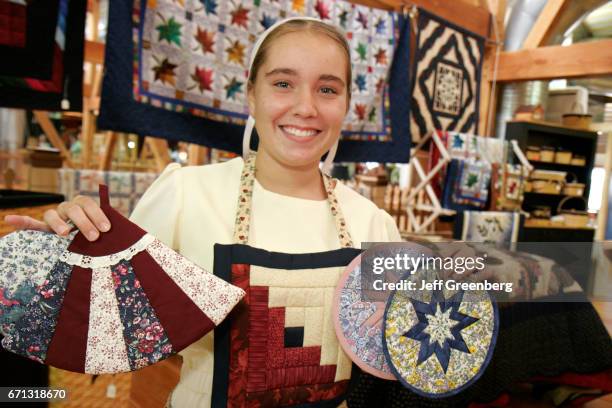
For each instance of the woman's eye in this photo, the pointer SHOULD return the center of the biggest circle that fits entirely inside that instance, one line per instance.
(282, 84)
(328, 90)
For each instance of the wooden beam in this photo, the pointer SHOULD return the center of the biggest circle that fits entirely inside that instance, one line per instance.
(47, 126)
(196, 154)
(159, 147)
(88, 129)
(109, 149)
(94, 52)
(464, 13)
(575, 61)
(572, 12)
(488, 90)
(546, 21)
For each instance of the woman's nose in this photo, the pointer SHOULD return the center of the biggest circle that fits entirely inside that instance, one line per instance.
(305, 104)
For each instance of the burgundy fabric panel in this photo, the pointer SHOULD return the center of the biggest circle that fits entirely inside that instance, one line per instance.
(69, 343)
(303, 356)
(293, 376)
(123, 234)
(182, 320)
(258, 339)
(276, 337)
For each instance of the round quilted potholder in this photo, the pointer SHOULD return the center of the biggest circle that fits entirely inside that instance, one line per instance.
(358, 319)
(359, 324)
(438, 342)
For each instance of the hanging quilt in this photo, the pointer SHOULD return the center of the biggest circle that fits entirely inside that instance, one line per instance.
(127, 187)
(447, 70)
(42, 47)
(466, 186)
(465, 147)
(187, 79)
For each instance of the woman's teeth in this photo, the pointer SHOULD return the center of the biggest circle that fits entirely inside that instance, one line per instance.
(299, 132)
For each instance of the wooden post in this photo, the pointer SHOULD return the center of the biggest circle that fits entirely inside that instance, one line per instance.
(159, 147)
(109, 148)
(488, 85)
(196, 154)
(47, 126)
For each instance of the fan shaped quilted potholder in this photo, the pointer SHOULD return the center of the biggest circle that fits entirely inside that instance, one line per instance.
(118, 304)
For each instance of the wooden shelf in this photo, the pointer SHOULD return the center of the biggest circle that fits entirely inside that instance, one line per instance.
(551, 194)
(531, 223)
(554, 164)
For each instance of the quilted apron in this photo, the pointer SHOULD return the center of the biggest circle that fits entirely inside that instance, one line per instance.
(278, 347)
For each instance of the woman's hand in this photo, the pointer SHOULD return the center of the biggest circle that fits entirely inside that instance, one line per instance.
(83, 212)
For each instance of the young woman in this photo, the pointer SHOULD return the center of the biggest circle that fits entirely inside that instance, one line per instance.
(275, 200)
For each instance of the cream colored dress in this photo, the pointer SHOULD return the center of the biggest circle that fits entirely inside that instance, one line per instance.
(192, 208)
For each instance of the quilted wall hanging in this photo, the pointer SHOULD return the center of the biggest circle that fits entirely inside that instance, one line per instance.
(120, 303)
(186, 79)
(447, 72)
(42, 47)
(127, 187)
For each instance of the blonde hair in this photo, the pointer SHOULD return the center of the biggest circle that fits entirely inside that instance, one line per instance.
(294, 26)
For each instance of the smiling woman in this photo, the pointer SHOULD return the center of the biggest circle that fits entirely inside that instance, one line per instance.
(271, 223)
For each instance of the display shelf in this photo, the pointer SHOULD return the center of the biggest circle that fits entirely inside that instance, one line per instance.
(553, 165)
(580, 143)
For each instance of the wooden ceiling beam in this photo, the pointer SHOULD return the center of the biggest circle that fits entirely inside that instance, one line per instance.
(575, 61)
(467, 14)
(547, 19)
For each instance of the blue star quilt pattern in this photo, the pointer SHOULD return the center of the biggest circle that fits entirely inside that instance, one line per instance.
(438, 342)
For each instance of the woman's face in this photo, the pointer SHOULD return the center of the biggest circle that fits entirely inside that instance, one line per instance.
(299, 99)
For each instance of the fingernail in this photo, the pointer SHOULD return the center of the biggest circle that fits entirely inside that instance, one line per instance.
(63, 230)
(105, 226)
(92, 236)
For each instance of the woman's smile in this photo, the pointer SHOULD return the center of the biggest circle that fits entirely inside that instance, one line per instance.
(299, 134)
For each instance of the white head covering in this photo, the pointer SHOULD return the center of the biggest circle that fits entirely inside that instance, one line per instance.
(250, 124)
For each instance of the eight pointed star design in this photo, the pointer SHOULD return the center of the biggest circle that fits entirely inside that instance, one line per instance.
(439, 327)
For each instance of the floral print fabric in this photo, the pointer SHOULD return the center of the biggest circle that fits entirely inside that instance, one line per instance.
(147, 343)
(437, 344)
(26, 258)
(30, 336)
(215, 297)
(106, 349)
(360, 323)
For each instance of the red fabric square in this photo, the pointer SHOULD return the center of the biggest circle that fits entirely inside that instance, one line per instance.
(262, 371)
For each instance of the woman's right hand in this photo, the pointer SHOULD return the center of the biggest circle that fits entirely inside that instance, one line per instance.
(84, 212)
